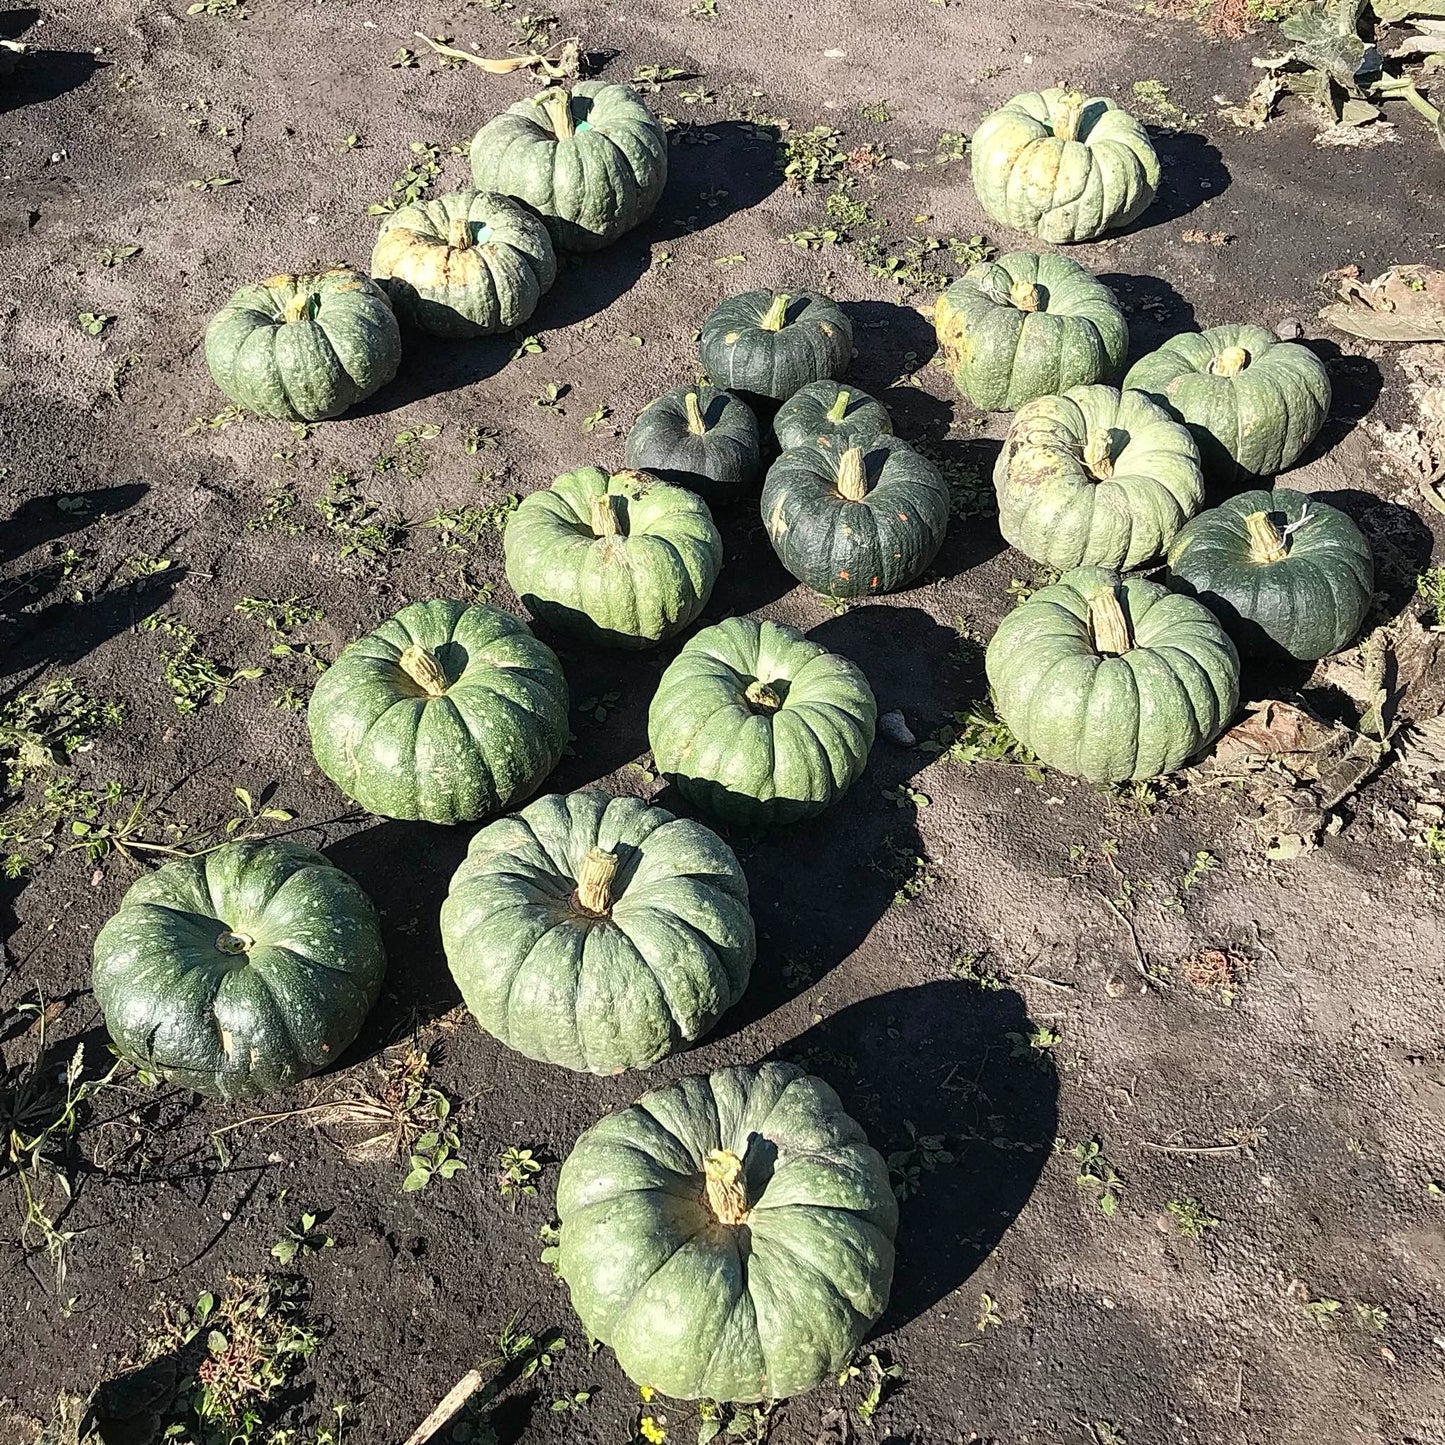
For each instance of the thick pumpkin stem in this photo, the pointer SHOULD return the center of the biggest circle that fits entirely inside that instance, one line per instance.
(1230, 362)
(1025, 295)
(839, 409)
(1266, 541)
(1071, 112)
(298, 308)
(235, 943)
(727, 1194)
(459, 233)
(558, 105)
(777, 313)
(605, 521)
(421, 666)
(1108, 624)
(852, 478)
(594, 882)
(1099, 455)
(695, 424)
(761, 698)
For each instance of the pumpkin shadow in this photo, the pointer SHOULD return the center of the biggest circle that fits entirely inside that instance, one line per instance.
(39, 75)
(714, 170)
(1192, 171)
(432, 366)
(893, 341)
(1355, 385)
(1154, 310)
(1400, 541)
(588, 284)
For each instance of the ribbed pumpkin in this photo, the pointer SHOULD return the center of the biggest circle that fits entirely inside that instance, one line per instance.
(239, 971)
(1029, 325)
(730, 1236)
(1112, 678)
(1280, 570)
(826, 411)
(445, 713)
(854, 521)
(598, 933)
(1063, 166)
(621, 559)
(773, 343)
(699, 437)
(1095, 477)
(1253, 402)
(758, 726)
(304, 348)
(470, 263)
(592, 162)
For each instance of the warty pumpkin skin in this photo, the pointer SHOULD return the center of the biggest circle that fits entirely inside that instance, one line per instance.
(445, 713)
(1112, 678)
(593, 162)
(239, 971)
(598, 933)
(699, 437)
(304, 348)
(773, 343)
(827, 411)
(730, 1236)
(1029, 325)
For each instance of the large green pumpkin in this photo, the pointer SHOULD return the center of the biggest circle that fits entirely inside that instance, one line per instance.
(773, 343)
(470, 263)
(304, 348)
(593, 162)
(1253, 402)
(758, 726)
(598, 933)
(1280, 570)
(1029, 325)
(1096, 477)
(855, 521)
(241, 970)
(621, 559)
(1063, 166)
(825, 411)
(699, 437)
(1111, 678)
(445, 713)
(730, 1236)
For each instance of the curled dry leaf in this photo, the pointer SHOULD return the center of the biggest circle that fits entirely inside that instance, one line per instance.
(566, 65)
(1406, 303)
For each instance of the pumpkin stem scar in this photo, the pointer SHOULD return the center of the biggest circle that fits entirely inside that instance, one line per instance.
(852, 479)
(1109, 625)
(776, 315)
(727, 1195)
(422, 667)
(1025, 295)
(459, 233)
(594, 882)
(1071, 112)
(1266, 542)
(1099, 454)
(299, 308)
(558, 105)
(605, 521)
(229, 942)
(839, 409)
(761, 698)
(1230, 362)
(695, 423)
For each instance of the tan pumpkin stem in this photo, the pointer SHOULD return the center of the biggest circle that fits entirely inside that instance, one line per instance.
(1266, 542)
(1099, 455)
(605, 521)
(727, 1195)
(761, 698)
(558, 105)
(459, 233)
(594, 882)
(229, 942)
(1025, 295)
(852, 479)
(298, 308)
(421, 666)
(777, 313)
(839, 409)
(695, 423)
(1066, 126)
(1109, 625)
(1230, 362)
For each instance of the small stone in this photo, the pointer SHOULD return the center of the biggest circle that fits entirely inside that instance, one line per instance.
(1116, 987)
(1289, 329)
(892, 726)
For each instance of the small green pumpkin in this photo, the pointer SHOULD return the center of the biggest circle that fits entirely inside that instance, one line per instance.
(593, 162)
(773, 343)
(1063, 166)
(826, 411)
(445, 713)
(1096, 478)
(239, 971)
(1029, 325)
(598, 933)
(1253, 402)
(729, 1236)
(699, 437)
(758, 726)
(1280, 570)
(621, 559)
(304, 348)
(855, 520)
(1112, 678)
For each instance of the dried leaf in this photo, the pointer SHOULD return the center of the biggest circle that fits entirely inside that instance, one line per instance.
(492, 67)
(1258, 105)
(1406, 303)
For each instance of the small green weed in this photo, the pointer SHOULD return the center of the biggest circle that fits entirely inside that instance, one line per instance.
(193, 676)
(516, 1174)
(1095, 1176)
(303, 1238)
(921, 1155)
(812, 157)
(1190, 1218)
(366, 528)
(417, 178)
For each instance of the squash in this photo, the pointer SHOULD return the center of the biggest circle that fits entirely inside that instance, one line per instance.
(239, 971)
(1112, 678)
(1063, 166)
(825, 411)
(598, 933)
(470, 263)
(699, 437)
(858, 521)
(1282, 571)
(1253, 402)
(729, 1236)
(445, 713)
(758, 726)
(1029, 325)
(773, 343)
(621, 559)
(304, 348)
(1095, 477)
(592, 162)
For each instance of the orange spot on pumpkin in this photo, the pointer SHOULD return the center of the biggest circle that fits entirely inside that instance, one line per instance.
(842, 576)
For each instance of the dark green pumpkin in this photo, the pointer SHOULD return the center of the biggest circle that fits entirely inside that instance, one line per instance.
(773, 343)
(699, 437)
(827, 411)
(445, 713)
(239, 971)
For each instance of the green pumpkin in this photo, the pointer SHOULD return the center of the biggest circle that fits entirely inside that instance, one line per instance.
(593, 162)
(598, 933)
(621, 559)
(759, 727)
(239, 971)
(773, 343)
(825, 411)
(1095, 478)
(1063, 166)
(1280, 570)
(699, 437)
(445, 713)
(730, 1236)
(470, 263)
(1029, 325)
(1253, 402)
(1112, 678)
(304, 348)
(855, 521)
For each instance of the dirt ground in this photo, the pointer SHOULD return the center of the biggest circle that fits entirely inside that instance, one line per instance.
(1005, 968)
